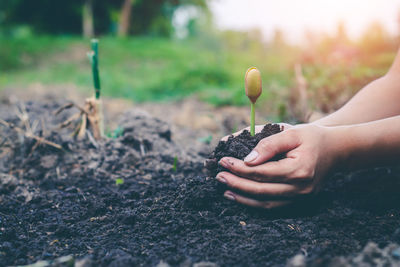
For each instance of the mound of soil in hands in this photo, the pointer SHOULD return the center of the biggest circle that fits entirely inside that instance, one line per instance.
(66, 202)
(238, 147)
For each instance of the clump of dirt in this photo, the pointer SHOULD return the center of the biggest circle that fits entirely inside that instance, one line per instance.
(238, 146)
(127, 201)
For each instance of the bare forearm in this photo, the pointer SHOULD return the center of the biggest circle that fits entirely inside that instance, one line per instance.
(377, 100)
(366, 144)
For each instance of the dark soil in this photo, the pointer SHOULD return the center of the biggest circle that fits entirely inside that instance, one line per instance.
(370, 256)
(66, 202)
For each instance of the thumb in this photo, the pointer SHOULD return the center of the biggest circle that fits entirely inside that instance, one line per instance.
(271, 146)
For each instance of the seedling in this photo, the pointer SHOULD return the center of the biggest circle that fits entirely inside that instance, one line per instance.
(253, 87)
(206, 140)
(119, 181)
(119, 131)
(175, 165)
(94, 104)
(91, 115)
(94, 59)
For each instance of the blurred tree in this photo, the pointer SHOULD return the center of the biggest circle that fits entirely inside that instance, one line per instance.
(125, 16)
(87, 17)
(94, 16)
(154, 17)
(43, 15)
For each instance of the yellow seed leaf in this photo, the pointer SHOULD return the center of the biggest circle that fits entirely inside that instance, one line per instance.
(253, 84)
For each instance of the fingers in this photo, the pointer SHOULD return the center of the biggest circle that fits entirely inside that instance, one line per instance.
(274, 171)
(271, 146)
(257, 188)
(253, 202)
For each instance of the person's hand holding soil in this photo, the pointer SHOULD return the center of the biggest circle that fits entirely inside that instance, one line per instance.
(310, 151)
(258, 182)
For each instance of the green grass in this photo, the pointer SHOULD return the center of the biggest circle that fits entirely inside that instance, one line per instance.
(156, 69)
(141, 69)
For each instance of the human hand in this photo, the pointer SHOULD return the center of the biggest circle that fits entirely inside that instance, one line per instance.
(310, 152)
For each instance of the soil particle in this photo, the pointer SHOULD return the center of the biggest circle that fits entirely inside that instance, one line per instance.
(161, 213)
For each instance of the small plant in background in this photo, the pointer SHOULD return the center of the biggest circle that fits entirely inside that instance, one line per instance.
(119, 131)
(119, 181)
(94, 105)
(253, 87)
(206, 140)
(175, 164)
(94, 60)
(91, 114)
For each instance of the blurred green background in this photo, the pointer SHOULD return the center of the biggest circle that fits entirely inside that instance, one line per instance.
(145, 56)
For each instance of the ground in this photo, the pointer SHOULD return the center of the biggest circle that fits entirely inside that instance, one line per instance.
(143, 197)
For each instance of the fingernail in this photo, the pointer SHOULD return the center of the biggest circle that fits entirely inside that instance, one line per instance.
(252, 156)
(228, 195)
(220, 179)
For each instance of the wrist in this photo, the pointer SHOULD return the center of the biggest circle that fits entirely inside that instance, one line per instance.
(344, 142)
(353, 145)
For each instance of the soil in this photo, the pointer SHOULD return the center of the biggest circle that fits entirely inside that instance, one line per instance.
(238, 147)
(189, 119)
(370, 256)
(145, 199)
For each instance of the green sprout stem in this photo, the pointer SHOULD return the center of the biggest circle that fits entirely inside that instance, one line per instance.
(252, 120)
(175, 165)
(95, 67)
